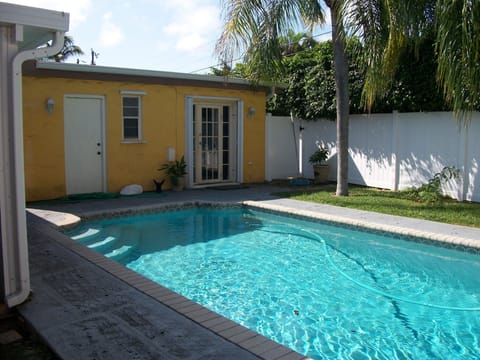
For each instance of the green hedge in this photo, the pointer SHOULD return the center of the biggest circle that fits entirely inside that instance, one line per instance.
(310, 91)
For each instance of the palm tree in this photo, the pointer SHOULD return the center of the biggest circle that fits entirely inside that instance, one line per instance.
(340, 65)
(295, 42)
(256, 27)
(457, 23)
(69, 49)
(253, 28)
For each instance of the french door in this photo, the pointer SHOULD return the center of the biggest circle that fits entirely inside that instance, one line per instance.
(214, 143)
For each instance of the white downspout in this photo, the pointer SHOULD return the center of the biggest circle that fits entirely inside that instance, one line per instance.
(300, 149)
(17, 294)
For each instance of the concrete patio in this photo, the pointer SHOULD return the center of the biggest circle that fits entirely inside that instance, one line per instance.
(85, 306)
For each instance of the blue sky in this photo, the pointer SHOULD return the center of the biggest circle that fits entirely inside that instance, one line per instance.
(166, 35)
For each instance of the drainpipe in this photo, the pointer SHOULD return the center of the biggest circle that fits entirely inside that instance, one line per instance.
(18, 289)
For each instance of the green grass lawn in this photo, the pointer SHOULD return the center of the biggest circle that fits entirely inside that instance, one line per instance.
(394, 203)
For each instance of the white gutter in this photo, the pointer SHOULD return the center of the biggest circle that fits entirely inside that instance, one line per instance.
(17, 291)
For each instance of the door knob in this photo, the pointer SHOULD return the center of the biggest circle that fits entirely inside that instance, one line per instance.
(99, 153)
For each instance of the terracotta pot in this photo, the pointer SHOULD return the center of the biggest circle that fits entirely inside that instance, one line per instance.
(180, 186)
(321, 173)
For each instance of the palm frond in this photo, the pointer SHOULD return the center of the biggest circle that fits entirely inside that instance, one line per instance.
(386, 27)
(254, 28)
(458, 48)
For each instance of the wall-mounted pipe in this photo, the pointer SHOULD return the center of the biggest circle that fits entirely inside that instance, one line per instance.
(16, 268)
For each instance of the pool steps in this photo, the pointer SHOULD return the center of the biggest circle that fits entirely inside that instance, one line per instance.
(102, 244)
(118, 253)
(86, 235)
(110, 245)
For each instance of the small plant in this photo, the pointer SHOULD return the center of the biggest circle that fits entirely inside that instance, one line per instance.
(431, 192)
(175, 170)
(319, 156)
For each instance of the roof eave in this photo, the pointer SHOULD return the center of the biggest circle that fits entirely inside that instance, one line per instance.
(138, 72)
(104, 73)
(35, 26)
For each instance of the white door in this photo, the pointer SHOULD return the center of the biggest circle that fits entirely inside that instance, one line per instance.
(214, 133)
(84, 144)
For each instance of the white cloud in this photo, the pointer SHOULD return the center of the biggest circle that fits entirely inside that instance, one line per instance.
(174, 35)
(190, 43)
(78, 9)
(182, 4)
(110, 33)
(191, 27)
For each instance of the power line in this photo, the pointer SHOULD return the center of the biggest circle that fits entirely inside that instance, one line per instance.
(321, 34)
(209, 67)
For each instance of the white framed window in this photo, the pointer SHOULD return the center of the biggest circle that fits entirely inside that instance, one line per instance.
(132, 118)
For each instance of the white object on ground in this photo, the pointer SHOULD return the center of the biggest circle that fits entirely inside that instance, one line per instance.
(133, 189)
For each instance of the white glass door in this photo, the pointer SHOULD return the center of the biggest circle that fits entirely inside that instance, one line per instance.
(214, 143)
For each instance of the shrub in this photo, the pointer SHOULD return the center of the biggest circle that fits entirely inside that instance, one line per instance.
(319, 156)
(431, 192)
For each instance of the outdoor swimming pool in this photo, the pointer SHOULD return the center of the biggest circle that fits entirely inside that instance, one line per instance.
(325, 291)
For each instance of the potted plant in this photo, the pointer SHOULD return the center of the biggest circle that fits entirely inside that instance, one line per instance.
(176, 171)
(320, 167)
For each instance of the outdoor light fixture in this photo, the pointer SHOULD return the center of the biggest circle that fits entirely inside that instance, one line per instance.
(251, 112)
(49, 104)
(171, 153)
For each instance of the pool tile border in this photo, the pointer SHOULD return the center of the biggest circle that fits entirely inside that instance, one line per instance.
(410, 234)
(153, 209)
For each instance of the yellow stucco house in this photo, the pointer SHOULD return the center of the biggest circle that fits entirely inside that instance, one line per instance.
(96, 129)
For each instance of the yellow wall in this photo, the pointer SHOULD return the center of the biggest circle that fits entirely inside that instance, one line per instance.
(163, 123)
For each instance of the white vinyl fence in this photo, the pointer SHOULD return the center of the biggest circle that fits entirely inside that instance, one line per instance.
(390, 151)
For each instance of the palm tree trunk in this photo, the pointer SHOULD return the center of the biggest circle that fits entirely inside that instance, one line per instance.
(341, 81)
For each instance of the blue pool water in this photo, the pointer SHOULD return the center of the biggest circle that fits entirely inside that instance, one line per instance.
(322, 290)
